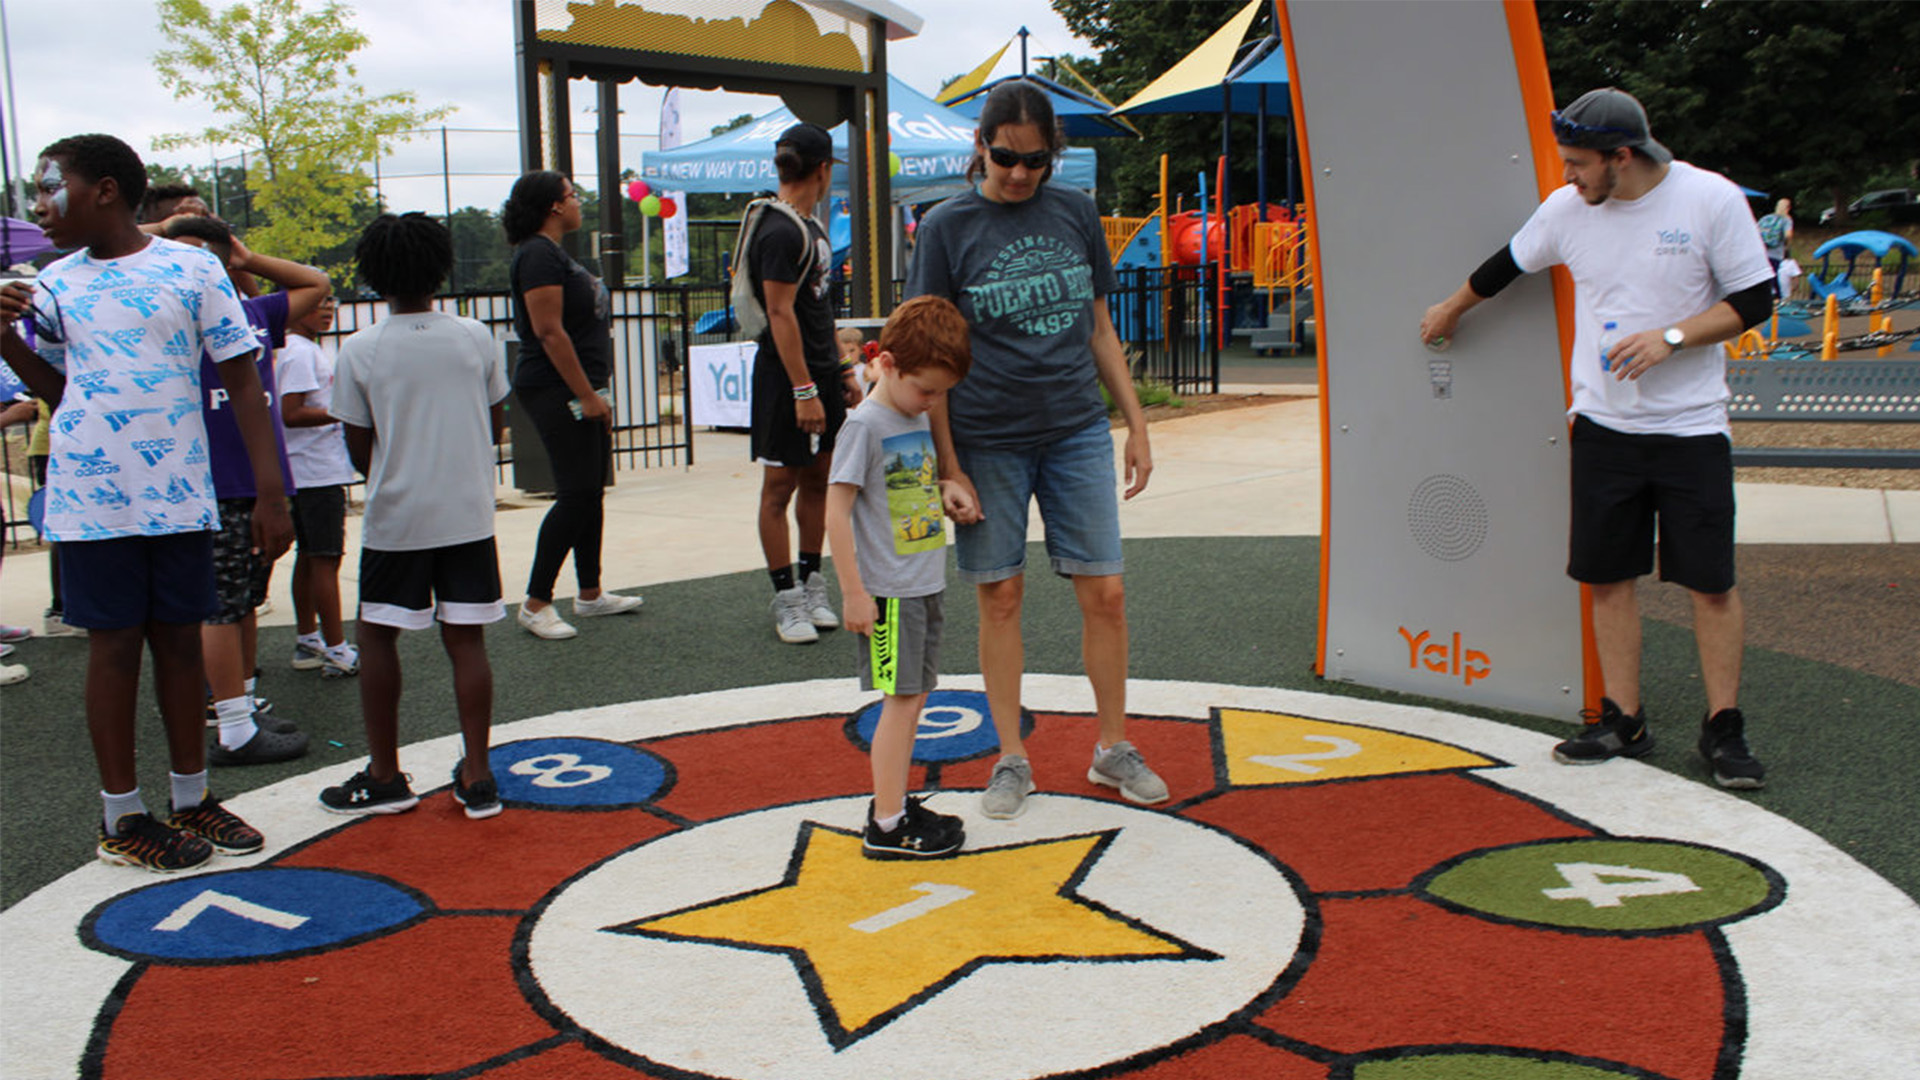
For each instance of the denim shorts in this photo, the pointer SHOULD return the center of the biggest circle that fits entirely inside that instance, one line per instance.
(1073, 481)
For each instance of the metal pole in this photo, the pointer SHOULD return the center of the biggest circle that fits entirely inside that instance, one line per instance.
(15, 161)
(446, 187)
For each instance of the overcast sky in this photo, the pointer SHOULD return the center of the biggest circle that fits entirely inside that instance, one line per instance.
(95, 73)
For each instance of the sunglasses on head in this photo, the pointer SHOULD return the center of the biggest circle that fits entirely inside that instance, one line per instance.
(1007, 159)
(1574, 133)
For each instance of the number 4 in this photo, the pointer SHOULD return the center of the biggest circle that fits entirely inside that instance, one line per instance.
(1607, 886)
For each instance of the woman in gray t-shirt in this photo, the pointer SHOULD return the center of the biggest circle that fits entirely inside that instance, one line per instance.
(1027, 264)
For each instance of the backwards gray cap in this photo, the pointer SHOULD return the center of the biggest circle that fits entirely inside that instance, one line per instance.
(1607, 119)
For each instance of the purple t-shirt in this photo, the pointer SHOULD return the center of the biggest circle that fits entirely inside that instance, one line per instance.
(232, 469)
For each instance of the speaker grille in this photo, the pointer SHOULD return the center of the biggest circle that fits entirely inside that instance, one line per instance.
(1447, 517)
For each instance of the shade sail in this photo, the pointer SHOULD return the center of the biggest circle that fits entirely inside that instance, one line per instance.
(1216, 77)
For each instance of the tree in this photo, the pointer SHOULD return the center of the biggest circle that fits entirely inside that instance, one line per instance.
(1808, 99)
(737, 122)
(1138, 41)
(280, 77)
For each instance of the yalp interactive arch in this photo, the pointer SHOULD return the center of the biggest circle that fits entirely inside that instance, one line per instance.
(1424, 145)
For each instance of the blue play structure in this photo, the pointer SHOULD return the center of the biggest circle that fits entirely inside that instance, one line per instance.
(1839, 283)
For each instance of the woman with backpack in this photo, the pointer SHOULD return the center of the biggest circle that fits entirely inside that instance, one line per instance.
(1775, 230)
(801, 394)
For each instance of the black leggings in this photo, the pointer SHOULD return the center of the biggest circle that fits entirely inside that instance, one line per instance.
(581, 452)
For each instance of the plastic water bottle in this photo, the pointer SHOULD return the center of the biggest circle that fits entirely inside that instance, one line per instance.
(1609, 337)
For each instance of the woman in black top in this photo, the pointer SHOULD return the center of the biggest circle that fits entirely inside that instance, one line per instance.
(566, 364)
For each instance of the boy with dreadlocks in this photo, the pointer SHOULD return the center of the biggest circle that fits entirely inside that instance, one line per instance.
(420, 395)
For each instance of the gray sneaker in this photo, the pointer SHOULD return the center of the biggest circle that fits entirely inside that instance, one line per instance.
(819, 604)
(1121, 766)
(790, 619)
(1007, 788)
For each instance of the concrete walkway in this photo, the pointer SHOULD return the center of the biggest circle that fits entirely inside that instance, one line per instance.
(1252, 471)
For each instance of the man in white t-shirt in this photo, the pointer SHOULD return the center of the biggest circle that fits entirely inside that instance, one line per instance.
(1668, 256)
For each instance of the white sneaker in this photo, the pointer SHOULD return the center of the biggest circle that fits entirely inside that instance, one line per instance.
(790, 619)
(13, 673)
(341, 661)
(55, 626)
(819, 604)
(546, 623)
(607, 603)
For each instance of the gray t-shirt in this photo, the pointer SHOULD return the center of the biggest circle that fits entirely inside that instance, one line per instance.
(1025, 275)
(899, 534)
(425, 384)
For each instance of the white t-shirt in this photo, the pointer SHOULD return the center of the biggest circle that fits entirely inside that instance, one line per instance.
(318, 455)
(1647, 264)
(127, 449)
(425, 385)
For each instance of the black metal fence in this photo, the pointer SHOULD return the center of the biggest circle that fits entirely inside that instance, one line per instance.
(1161, 315)
(1164, 320)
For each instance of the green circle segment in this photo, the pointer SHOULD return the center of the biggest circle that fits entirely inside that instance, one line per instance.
(1607, 885)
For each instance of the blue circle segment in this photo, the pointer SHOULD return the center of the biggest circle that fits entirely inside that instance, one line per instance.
(955, 725)
(576, 773)
(249, 915)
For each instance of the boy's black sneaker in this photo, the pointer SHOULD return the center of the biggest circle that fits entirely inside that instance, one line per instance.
(920, 834)
(481, 799)
(152, 845)
(218, 826)
(1723, 743)
(1610, 735)
(362, 794)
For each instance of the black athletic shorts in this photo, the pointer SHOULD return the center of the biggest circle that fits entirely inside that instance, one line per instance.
(320, 521)
(458, 584)
(777, 439)
(1627, 488)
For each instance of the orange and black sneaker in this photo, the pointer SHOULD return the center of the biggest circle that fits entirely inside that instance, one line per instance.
(151, 845)
(218, 826)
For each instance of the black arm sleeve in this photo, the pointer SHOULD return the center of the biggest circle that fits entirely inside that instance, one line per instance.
(1495, 274)
(1753, 303)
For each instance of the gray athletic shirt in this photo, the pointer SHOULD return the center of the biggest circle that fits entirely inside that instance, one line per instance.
(425, 384)
(1025, 275)
(899, 535)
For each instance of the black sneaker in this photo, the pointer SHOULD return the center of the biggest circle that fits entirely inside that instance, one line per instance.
(1612, 734)
(266, 747)
(152, 845)
(362, 794)
(482, 800)
(920, 834)
(218, 826)
(1723, 743)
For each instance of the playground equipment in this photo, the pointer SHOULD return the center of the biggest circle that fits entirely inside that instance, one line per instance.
(1840, 284)
(1443, 531)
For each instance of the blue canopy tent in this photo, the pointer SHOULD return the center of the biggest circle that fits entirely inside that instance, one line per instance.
(1080, 115)
(934, 143)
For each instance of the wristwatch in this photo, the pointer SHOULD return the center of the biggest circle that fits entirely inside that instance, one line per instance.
(1674, 337)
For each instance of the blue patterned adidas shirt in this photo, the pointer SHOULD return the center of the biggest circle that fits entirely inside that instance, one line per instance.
(127, 447)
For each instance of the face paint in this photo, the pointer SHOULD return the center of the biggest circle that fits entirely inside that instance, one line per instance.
(54, 181)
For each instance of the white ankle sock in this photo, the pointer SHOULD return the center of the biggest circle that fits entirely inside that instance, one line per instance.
(188, 791)
(888, 824)
(236, 721)
(114, 807)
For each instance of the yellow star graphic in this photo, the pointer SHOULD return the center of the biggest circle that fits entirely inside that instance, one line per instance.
(873, 939)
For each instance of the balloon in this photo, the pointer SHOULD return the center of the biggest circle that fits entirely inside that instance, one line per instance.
(893, 163)
(668, 208)
(637, 190)
(650, 205)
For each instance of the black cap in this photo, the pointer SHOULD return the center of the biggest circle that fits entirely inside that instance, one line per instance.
(811, 142)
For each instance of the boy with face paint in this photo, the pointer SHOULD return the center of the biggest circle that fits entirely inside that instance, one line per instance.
(122, 321)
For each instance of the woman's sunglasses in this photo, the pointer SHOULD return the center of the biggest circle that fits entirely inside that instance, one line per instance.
(1007, 159)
